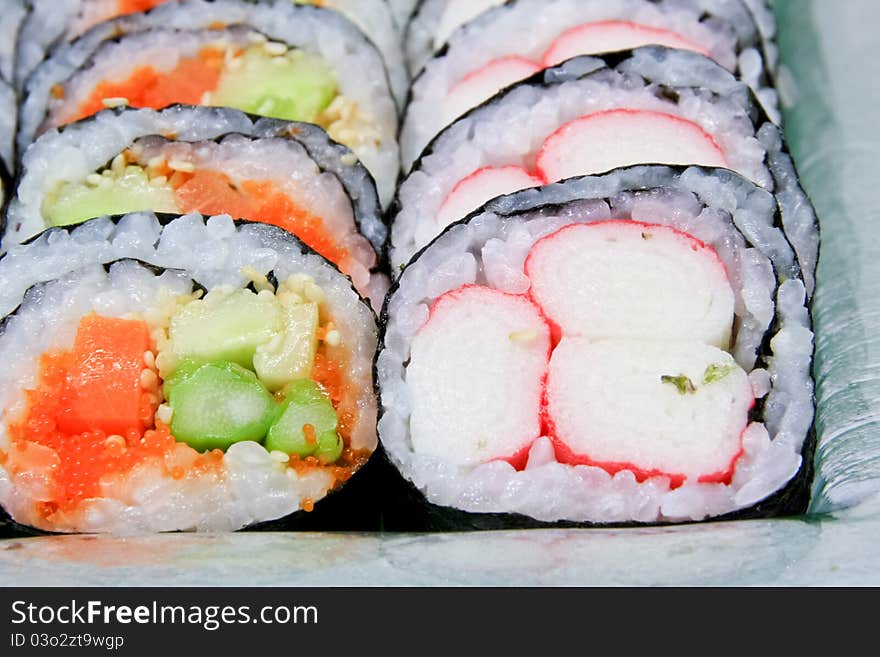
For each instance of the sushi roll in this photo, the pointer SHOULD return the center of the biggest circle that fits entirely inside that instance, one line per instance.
(630, 347)
(51, 22)
(507, 45)
(197, 375)
(593, 114)
(282, 60)
(210, 160)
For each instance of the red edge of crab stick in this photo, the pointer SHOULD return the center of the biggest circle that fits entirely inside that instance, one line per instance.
(483, 185)
(611, 35)
(688, 143)
(483, 83)
(445, 303)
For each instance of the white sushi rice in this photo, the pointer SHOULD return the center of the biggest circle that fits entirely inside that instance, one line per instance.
(434, 22)
(53, 21)
(798, 215)
(402, 10)
(343, 196)
(375, 18)
(490, 250)
(528, 28)
(253, 487)
(358, 65)
(8, 115)
(14, 12)
(511, 129)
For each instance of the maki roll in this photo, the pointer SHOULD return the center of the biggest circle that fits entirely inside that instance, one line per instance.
(590, 115)
(50, 22)
(209, 160)
(282, 60)
(199, 375)
(631, 347)
(507, 45)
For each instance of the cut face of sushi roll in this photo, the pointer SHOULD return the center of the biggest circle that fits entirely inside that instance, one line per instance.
(279, 60)
(590, 115)
(52, 21)
(631, 347)
(209, 160)
(567, 29)
(180, 391)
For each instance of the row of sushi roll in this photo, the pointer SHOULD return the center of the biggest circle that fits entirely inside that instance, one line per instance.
(460, 264)
(603, 263)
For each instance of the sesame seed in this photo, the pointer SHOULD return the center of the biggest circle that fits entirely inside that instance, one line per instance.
(94, 179)
(349, 159)
(164, 413)
(275, 48)
(181, 165)
(149, 380)
(117, 166)
(278, 455)
(525, 336)
(115, 441)
(266, 106)
(149, 359)
(333, 338)
(114, 102)
(313, 293)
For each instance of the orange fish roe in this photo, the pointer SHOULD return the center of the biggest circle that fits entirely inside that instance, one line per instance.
(309, 434)
(330, 373)
(147, 87)
(212, 192)
(74, 463)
